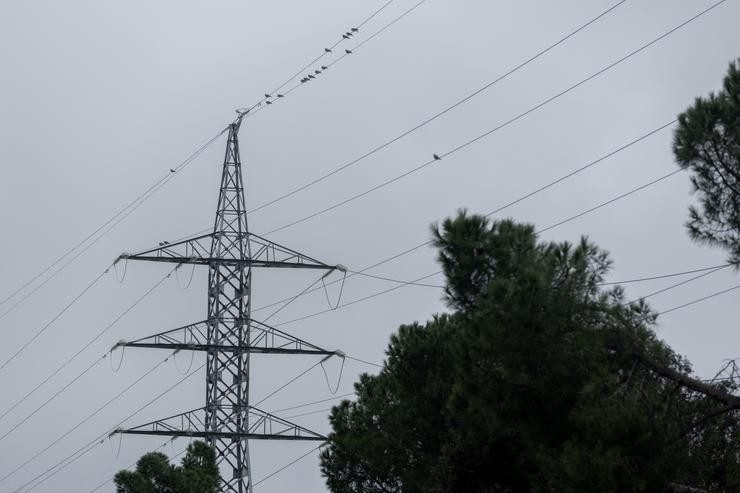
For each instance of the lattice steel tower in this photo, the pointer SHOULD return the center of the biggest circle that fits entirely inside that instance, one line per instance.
(229, 335)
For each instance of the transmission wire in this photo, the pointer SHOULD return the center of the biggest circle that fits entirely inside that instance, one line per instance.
(88, 344)
(437, 115)
(495, 129)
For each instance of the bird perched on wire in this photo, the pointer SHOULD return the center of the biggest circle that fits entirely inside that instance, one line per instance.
(327, 50)
(436, 158)
(280, 96)
(317, 72)
(267, 95)
(269, 102)
(348, 33)
(345, 36)
(349, 52)
(173, 171)
(354, 29)
(311, 76)
(324, 67)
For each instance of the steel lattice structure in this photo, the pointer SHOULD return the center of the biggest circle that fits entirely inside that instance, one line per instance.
(229, 335)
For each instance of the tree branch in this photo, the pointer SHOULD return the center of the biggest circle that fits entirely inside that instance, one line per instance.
(731, 401)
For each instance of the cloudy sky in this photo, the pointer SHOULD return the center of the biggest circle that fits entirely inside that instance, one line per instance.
(100, 99)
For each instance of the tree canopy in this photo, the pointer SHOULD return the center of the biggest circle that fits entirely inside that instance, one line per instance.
(707, 143)
(539, 379)
(197, 473)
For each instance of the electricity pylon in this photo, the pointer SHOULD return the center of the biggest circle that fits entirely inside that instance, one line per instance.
(229, 335)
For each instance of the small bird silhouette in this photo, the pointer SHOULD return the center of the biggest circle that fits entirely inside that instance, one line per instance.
(303, 80)
(166, 242)
(437, 158)
(324, 67)
(349, 52)
(172, 170)
(311, 76)
(345, 36)
(348, 33)
(317, 72)
(161, 244)
(269, 102)
(354, 29)
(327, 50)
(280, 96)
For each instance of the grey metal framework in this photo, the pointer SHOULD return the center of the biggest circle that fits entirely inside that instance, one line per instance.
(229, 335)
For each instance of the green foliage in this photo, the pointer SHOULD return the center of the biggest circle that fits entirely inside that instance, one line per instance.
(532, 383)
(707, 143)
(197, 473)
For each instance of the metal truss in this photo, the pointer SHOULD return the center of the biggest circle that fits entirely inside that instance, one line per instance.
(197, 250)
(260, 426)
(263, 339)
(229, 335)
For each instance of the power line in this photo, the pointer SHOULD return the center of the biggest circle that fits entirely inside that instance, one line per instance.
(54, 319)
(94, 442)
(111, 223)
(103, 435)
(252, 111)
(312, 403)
(664, 276)
(610, 201)
(288, 465)
(132, 465)
(88, 418)
(362, 360)
(503, 207)
(559, 223)
(49, 473)
(320, 411)
(288, 383)
(184, 450)
(322, 55)
(699, 300)
(497, 128)
(673, 286)
(718, 293)
(87, 345)
(398, 281)
(439, 114)
(54, 396)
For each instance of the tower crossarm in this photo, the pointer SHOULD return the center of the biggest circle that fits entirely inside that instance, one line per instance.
(263, 339)
(198, 251)
(260, 426)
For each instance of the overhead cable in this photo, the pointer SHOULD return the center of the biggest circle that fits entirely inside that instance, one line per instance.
(495, 129)
(88, 344)
(324, 53)
(74, 456)
(438, 114)
(311, 76)
(503, 207)
(289, 464)
(43, 328)
(106, 227)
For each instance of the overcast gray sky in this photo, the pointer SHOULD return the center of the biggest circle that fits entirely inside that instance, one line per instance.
(99, 99)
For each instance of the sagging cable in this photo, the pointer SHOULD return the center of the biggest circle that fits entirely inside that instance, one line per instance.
(343, 270)
(122, 277)
(117, 450)
(190, 280)
(341, 370)
(190, 366)
(122, 345)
